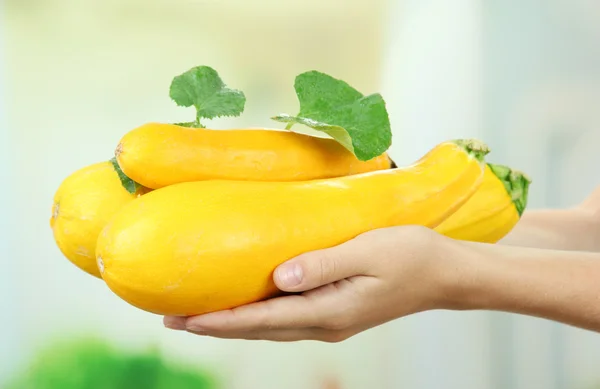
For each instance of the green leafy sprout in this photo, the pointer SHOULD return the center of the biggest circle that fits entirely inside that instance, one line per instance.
(359, 123)
(203, 88)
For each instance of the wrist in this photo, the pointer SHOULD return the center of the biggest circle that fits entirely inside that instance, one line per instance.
(464, 273)
(552, 284)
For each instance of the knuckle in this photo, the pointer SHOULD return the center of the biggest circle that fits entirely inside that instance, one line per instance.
(327, 268)
(408, 240)
(231, 320)
(368, 235)
(266, 318)
(415, 236)
(416, 232)
(319, 268)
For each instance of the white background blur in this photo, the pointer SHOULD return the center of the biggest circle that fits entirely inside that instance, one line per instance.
(75, 75)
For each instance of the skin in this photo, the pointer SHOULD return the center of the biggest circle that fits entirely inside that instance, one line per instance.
(547, 267)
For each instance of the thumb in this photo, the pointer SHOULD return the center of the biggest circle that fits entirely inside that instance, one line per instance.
(317, 268)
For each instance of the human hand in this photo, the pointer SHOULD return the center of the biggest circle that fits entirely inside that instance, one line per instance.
(372, 279)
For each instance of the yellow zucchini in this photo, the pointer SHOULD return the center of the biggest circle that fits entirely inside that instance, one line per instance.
(83, 204)
(493, 210)
(202, 246)
(157, 155)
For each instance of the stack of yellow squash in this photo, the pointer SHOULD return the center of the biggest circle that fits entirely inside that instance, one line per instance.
(216, 211)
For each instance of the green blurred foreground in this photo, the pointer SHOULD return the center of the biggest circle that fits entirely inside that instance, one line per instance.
(95, 365)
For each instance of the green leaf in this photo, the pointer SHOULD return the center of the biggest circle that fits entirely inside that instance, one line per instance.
(359, 123)
(336, 132)
(129, 185)
(202, 88)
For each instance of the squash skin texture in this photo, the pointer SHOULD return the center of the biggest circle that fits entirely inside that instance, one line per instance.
(83, 204)
(158, 155)
(493, 211)
(204, 246)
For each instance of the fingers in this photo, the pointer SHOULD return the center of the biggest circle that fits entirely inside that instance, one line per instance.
(320, 308)
(277, 313)
(235, 332)
(284, 335)
(311, 270)
(174, 322)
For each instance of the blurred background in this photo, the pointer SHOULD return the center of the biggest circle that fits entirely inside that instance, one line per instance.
(75, 75)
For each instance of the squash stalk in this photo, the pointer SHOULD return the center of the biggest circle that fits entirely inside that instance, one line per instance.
(516, 184)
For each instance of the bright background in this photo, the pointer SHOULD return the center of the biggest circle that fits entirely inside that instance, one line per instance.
(524, 76)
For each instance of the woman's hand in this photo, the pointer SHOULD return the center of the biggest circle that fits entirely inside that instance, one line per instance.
(372, 279)
(389, 273)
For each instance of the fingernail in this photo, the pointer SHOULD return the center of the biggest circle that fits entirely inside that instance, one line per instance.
(174, 323)
(290, 275)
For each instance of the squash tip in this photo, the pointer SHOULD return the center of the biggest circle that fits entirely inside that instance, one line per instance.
(474, 147)
(118, 150)
(516, 184)
(55, 210)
